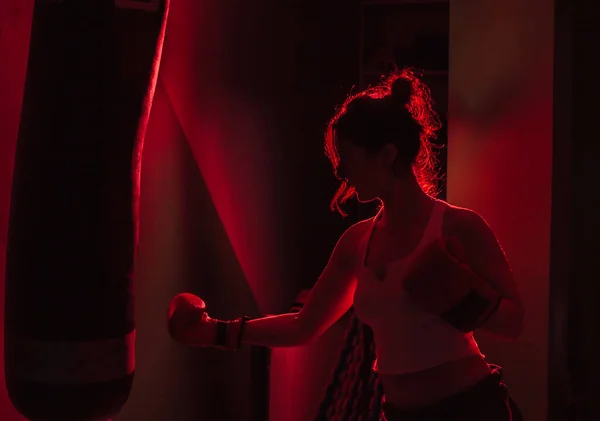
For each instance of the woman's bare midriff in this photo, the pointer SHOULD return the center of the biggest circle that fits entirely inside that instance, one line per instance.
(433, 384)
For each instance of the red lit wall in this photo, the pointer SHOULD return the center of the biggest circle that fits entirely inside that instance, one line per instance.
(499, 160)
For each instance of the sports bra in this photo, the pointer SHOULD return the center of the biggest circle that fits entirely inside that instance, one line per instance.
(407, 337)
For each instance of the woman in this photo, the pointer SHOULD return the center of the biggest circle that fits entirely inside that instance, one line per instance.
(422, 274)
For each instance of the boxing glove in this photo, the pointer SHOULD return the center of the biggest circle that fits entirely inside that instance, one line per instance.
(443, 283)
(189, 324)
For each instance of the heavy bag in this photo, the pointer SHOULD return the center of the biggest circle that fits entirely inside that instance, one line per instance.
(69, 322)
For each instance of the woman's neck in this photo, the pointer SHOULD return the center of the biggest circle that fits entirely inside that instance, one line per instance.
(405, 204)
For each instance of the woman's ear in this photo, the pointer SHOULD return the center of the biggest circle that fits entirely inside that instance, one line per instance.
(389, 154)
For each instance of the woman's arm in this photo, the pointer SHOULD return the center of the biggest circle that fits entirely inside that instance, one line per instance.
(328, 301)
(487, 260)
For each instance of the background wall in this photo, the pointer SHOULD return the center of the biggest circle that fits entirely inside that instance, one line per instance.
(500, 160)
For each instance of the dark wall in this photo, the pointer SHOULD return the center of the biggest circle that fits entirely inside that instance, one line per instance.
(577, 248)
(312, 67)
(564, 357)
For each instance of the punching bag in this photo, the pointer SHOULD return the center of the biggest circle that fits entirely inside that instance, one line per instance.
(69, 322)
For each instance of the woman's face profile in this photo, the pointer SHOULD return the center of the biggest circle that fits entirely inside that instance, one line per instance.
(362, 169)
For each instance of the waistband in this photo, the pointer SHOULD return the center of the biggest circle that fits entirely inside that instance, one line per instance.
(492, 385)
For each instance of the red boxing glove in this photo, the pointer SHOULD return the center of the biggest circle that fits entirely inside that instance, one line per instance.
(441, 281)
(189, 324)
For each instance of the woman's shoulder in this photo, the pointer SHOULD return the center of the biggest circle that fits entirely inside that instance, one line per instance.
(354, 234)
(358, 229)
(458, 219)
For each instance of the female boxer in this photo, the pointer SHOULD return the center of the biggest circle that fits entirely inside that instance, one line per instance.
(422, 274)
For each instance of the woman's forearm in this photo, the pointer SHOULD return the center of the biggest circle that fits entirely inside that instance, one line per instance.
(506, 322)
(283, 330)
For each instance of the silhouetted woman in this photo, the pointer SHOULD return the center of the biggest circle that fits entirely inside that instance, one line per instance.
(422, 274)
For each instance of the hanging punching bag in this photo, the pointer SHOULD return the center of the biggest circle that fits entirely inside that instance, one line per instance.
(69, 325)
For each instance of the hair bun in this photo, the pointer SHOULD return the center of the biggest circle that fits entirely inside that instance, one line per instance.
(401, 91)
